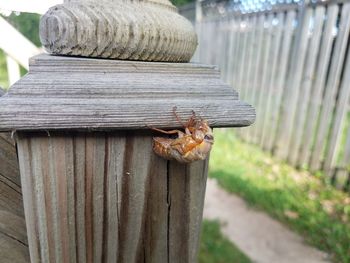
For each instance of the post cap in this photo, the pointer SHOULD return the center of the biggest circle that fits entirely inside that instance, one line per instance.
(61, 93)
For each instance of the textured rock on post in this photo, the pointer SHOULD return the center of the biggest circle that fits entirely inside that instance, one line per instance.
(93, 189)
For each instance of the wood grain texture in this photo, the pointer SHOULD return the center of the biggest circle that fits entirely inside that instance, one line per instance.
(73, 93)
(341, 109)
(257, 67)
(331, 88)
(248, 83)
(106, 197)
(245, 52)
(266, 76)
(318, 84)
(296, 83)
(262, 77)
(9, 171)
(306, 85)
(233, 40)
(272, 89)
(290, 100)
(288, 30)
(133, 30)
(13, 237)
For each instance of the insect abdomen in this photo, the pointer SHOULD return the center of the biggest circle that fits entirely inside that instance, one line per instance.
(161, 146)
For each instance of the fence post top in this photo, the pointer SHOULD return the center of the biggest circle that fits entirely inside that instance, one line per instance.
(99, 94)
(150, 30)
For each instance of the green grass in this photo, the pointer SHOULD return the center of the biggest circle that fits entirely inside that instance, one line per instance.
(215, 248)
(302, 201)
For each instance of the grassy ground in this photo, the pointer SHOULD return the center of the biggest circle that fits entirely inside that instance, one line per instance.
(302, 201)
(215, 248)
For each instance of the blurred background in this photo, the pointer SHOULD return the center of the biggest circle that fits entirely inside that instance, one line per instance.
(279, 190)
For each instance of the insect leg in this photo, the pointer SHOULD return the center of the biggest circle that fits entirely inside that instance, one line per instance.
(177, 117)
(187, 131)
(192, 120)
(180, 133)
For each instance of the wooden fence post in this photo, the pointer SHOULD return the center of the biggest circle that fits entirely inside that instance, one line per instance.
(294, 79)
(93, 189)
(198, 25)
(13, 239)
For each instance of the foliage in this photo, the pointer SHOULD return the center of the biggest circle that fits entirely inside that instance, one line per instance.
(215, 248)
(302, 201)
(27, 24)
(181, 2)
(3, 71)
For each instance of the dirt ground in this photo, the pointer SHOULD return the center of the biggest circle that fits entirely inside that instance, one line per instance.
(259, 236)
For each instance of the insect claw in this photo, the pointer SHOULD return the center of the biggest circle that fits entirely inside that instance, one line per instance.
(193, 114)
(177, 117)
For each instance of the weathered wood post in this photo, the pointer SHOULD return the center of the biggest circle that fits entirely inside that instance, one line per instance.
(93, 189)
(13, 239)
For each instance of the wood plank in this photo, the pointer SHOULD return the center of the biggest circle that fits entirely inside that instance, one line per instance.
(344, 163)
(244, 53)
(107, 196)
(156, 242)
(14, 227)
(293, 84)
(12, 250)
(223, 48)
(339, 120)
(248, 80)
(7, 137)
(318, 85)
(37, 174)
(10, 199)
(264, 72)
(119, 93)
(277, 26)
(203, 58)
(211, 26)
(134, 182)
(257, 68)
(306, 84)
(236, 54)
(288, 31)
(213, 42)
(30, 207)
(232, 42)
(80, 185)
(114, 172)
(9, 170)
(198, 178)
(331, 87)
(186, 195)
(252, 44)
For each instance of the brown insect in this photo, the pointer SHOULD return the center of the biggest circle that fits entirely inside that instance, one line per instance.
(192, 145)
